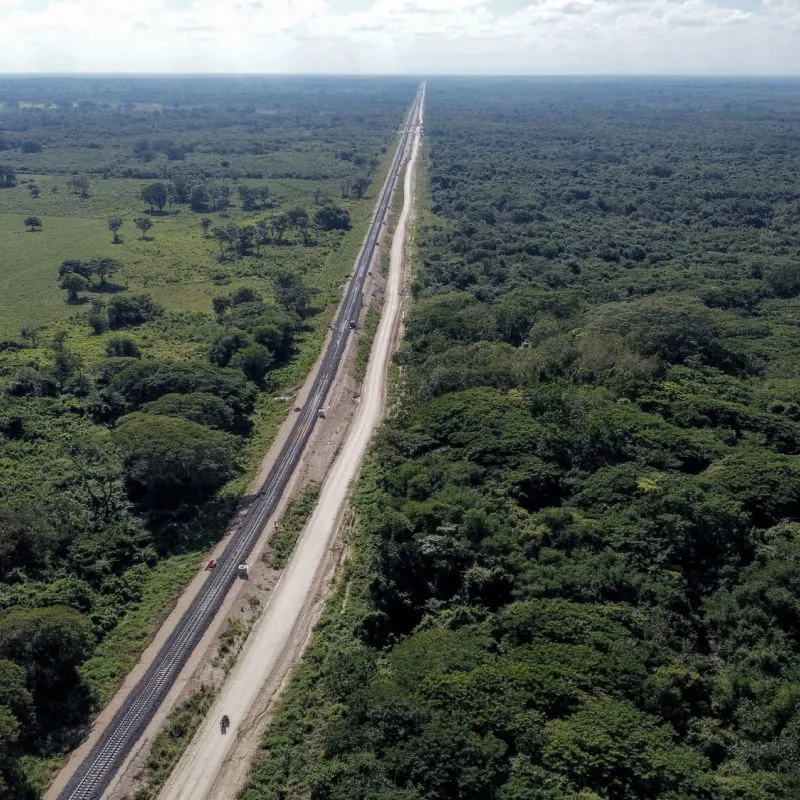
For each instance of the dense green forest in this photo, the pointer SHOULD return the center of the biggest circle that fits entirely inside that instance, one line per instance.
(143, 372)
(577, 566)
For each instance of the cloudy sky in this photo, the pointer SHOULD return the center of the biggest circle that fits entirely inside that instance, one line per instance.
(402, 36)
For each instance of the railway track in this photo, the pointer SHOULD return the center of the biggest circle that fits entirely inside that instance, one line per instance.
(94, 774)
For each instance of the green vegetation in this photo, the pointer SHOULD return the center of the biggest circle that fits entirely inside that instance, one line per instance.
(139, 349)
(291, 525)
(577, 564)
(365, 340)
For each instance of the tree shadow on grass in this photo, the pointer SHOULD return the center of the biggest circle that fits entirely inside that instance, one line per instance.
(107, 288)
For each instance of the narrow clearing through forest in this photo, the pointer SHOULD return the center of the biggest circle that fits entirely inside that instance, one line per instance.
(215, 764)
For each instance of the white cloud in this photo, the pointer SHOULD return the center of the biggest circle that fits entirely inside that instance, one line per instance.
(413, 36)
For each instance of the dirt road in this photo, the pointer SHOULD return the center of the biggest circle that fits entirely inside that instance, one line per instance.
(265, 652)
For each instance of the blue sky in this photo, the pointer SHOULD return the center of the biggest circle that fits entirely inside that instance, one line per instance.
(402, 36)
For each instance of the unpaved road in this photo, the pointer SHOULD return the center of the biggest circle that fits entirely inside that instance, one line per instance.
(194, 778)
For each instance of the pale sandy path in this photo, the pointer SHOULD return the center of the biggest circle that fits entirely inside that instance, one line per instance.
(194, 778)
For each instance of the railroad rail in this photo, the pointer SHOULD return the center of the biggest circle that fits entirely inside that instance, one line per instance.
(94, 774)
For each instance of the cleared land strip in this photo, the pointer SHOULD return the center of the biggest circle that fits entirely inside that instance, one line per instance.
(286, 620)
(95, 772)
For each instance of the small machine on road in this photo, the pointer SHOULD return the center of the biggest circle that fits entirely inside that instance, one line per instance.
(224, 723)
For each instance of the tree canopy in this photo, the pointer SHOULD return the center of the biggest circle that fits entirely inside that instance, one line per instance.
(168, 460)
(575, 572)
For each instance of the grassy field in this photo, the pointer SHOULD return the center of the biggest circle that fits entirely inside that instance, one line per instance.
(177, 265)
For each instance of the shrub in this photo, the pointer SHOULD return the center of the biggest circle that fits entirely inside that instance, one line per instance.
(98, 317)
(29, 382)
(146, 381)
(224, 348)
(785, 280)
(132, 310)
(329, 218)
(254, 361)
(122, 347)
(199, 407)
(244, 295)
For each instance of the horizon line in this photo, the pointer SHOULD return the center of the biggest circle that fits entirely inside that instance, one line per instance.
(417, 76)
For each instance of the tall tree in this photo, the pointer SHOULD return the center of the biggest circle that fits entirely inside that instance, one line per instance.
(299, 218)
(75, 265)
(262, 232)
(221, 305)
(360, 186)
(221, 197)
(104, 268)
(248, 198)
(279, 225)
(114, 224)
(292, 294)
(254, 361)
(79, 184)
(225, 237)
(155, 195)
(98, 316)
(30, 333)
(72, 283)
(168, 459)
(199, 198)
(143, 224)
(179, 190)
(48, 642)
(245, 237)
(331, 217)
(7, 177)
